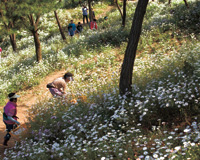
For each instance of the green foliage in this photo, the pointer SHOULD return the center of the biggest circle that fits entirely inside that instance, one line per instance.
(188, 19)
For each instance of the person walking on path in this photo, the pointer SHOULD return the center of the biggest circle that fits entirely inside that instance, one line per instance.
(58, 86)
(85, 14)
(10, 116)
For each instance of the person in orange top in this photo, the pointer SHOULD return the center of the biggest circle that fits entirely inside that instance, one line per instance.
(93, 24)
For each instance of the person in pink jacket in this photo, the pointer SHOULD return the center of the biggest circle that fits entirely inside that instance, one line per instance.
(10, 115)
(93, 24)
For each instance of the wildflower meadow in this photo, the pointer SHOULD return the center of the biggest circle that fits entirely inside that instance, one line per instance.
(161, 119)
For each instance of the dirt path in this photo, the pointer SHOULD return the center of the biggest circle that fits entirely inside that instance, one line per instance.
(27, 99)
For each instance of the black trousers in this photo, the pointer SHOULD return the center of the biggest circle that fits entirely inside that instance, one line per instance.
(9, 127)
(85, 17)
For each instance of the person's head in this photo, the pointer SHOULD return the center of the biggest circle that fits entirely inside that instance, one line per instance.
(94, 20)
(68, 77)
(79, 23)
(70, 27)
(71, 21)
(13, 97)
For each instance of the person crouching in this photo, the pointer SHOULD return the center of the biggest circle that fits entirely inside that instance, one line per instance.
(58, 86)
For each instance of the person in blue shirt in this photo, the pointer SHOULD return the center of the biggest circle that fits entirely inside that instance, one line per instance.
(71, 32)
(72, 25)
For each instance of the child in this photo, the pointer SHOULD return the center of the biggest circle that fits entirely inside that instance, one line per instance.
(79, 27)
(70, 31)
(93, 24)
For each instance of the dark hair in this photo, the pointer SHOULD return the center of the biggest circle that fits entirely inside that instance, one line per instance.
(94, 20)
(79, 22)
(68, 74)
(10, 95)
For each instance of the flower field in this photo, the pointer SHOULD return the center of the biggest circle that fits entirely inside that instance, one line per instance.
(160, 121)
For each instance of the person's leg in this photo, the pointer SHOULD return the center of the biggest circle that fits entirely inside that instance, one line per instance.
(87, 18)
(9, 127)
(55, 92)
(83, 19)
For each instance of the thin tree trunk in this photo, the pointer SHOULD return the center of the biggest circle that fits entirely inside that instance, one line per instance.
(186, 3)
(124, 13)
(130, 53)
(90, 10)
(37, 46)
(13, 42)
(34, 31)
(60, 27)
(116, 1)
(169, 2)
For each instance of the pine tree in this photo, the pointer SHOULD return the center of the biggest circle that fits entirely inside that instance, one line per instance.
(9, 20)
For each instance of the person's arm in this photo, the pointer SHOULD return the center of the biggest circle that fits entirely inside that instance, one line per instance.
(13, 120)
(96, 25)
(64, 88)
(91, 27)
(10, 115)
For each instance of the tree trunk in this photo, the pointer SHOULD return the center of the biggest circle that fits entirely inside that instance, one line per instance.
(130, 53)
(60, 27)
(37, 46)
(13, 42)
(90, 10)
(34, 31)
(116, 1)
(124, 13)
(186, 3)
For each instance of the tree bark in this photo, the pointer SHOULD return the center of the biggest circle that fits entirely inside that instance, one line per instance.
(37, 46)
(34, 31)
(186, 3)
(12, 37)
(116, 1)
(124, 13)
(13, 41)
(90, 10)
(130, 53)
(60, 27)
